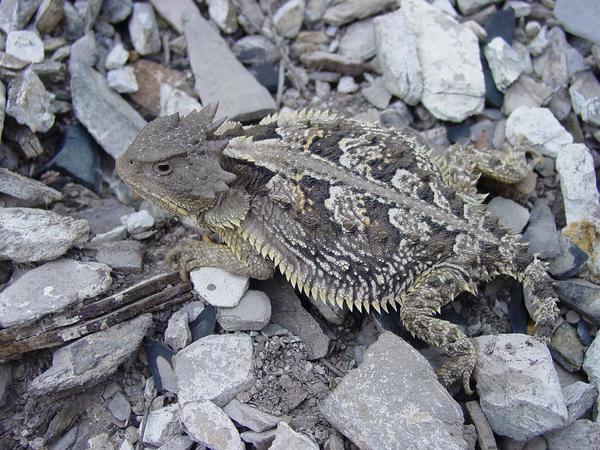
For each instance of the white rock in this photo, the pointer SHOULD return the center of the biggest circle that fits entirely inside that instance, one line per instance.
(162, 425)
(470, 6)
(585, 97)
(25, 45)
(208, 425)
(219, 287)
(173, 100)
(223, 14)
(539, 43)
(538, 128)
(575, 167)
(288, 19)
(358, 42)
(377, 94)
(117, 57)
(138, 222)
(512, 215)
(126, 445)
(591, 362)
(505, 63)
(579, 398)
(347, 85)
(445, 6)
(453, 85)
(397, 56)
(250, 417)
(178, 334)
(286, 439)
(253, 312)
(215, 368)
(122, 80)
(518, 386)
(29, 102)
(525, 92)
(143, 29)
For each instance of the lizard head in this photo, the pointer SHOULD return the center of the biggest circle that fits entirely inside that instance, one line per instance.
(174, 162)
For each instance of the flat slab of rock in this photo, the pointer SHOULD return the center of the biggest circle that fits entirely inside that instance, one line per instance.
(51, 287)
(208, 425)
(579, 435)
(349, 11)
(214, 368)
(581, 295)
(286, 438)
(394, 397)
(162, 425)
(511, 215)
(92, 358)
(579, 17)
(518, 386)
(220, 77)
(33, 192)
(453, 83)
(253, 312)
(29, 235)
(250, 417)
(219, 287)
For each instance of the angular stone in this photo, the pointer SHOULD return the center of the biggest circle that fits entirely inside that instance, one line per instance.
(51, 287)
(541, 232)
(178, 334)
(347, 85)
(262, 440)
(397, 56)
(219, 287)
(286, 438)
(119, 407)
(512, 215)
(485, 435)
(32, 192)
(29, 102)
(579, 17)
(222, 12)
(30, 235)
(122, 80)
(505, 63)
(457, 91)
(25, 45)
(394, 396)
(220, 77)
(552, 65)
(117, 57)
(92, 358)
(138, 222)
(566, 347)
(332, 62)
(470, 6)
(15, 14)
(253, 312)
(121, 255)
(288, 312)
(358, 41)
(582, 296)
(585, 97)
(250, 417)
(174, 11)
(215, 368)
(538, 128)
(255, 49)
(377, 94)
(591, 362)
(525, 92)
(173, 100)
(518, 387)
(182, 442)
(116, 11)
(105, 215)
(208, 425)
(350, 10)
(143, 29)
(288, 18)
(575, 167)
(162, 425)
(49, 15)
(581, 434)
(579, 398)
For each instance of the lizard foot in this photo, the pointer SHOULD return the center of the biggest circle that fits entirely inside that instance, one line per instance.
(458, 368)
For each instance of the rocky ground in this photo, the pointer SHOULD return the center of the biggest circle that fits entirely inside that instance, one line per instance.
(102, 347)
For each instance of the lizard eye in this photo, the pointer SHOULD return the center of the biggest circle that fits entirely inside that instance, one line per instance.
(162, 168)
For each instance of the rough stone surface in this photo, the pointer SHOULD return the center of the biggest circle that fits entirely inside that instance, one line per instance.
(518, 387)
(453, 84)
(581, 434)
(262, 440)
(30, 235)
(525, 92)
(286, 438)
(214, 368)
(117, 57)
(579, 17)
(253, 312)
(585, 97)
(122, 80)
(541, 232)
(51, 287)
(575, 167)
(349, 11)
(222, 12)
(538, 128)
(220, 77)
(377, 94)
(143, 29)
(162, 425)
(591, 362)
(359, 40)
(92, 358)
(397, 55)
(505, 63)
(208, 425)
(32, 192)
(579, 398)
(25, 45)
(138, 222)
(566, 347)
(394, 396)
(288, 19)
(178, 334)
(470, 6)
(249, 416)
(126, 254)
(581, 295)
(119, 407)
(512, 215)
(173, 100)
(29, 102)
(219, 287)
(182, 442)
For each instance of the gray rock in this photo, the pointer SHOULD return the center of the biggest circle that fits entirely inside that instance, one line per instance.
(250, 417)
(29, 102)
(585, 97)
(394, 396)
(178, 443)
(74, 25)
(215, 368)
(377, 94)
(397, 55)
(110, 119)
(220, 77)
(105, 215)
(127, 254)
(458, 91)
(518, 387)
(332, 314)
(5, 380)
(25, 45)
(116, 11)
(582, 296)
(579, 17)
(358, 41)
(538, 128)
(347, 85)
(505, 63)
(581, 434)
(138, 222)
(552, 65)
(566, 347)
(287, 311)
(540, 42)
(219, 287)
(15, 14)
(32, 192)
(591, 362)
(30, 235)
(92, 358)
(162, 425)
(208, 425)
(315, 10)
(262, 440)
(178, 334)
(143, 29)
(174, 11)
(286, 438)
(575, 167)
(117, 57)
(255, 49)
(470, 6)
(119, 407)
(541, 232)
(222, 12)
(525, 92)
(569, 261)
(122, 80)
(396, 116)
(485, 435)
(253, 312)
(512, 215)
(173, 100)
(288, 18)
(579, 398)
(49, 15)
(351, 10)
(51, 287)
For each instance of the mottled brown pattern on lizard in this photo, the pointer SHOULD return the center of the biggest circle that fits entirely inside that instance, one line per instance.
(353, 214)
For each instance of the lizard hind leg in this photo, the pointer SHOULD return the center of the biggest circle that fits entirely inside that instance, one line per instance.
(424, 300)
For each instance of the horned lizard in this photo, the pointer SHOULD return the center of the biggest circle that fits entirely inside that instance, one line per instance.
(352, 214)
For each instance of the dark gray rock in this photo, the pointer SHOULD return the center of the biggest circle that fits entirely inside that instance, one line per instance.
(5, 380)
(566, 347)
(119, 407)
(485, 435)
(582, 296)
(569, 261)
(105, 215)
(394, 396)
(262, 440)
(581, 434)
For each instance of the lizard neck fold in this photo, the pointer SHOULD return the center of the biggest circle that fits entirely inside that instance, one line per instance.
(229, 212)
